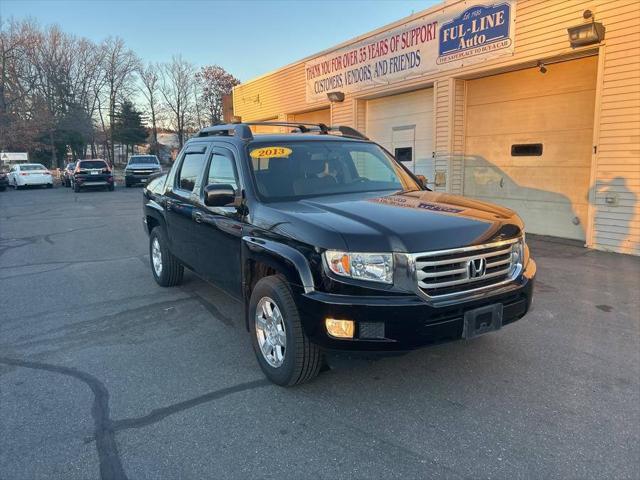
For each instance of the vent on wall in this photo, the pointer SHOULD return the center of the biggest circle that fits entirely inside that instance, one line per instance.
(404, 154)
(526, 150)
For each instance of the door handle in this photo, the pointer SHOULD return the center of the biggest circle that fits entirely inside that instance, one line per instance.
(198, 217)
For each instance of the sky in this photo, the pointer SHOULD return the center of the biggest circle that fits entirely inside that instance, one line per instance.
(246, 37)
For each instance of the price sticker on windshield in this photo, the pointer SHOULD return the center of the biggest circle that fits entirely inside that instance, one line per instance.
(271, 152)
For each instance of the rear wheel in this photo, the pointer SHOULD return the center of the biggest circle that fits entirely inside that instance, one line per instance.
(49, 185)
(111, 188)
(284, 352)
(167, 270)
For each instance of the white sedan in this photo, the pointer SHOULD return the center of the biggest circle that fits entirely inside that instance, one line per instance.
(25, 174)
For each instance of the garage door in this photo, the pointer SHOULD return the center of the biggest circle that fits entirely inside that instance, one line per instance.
(316, 116)
(403, 124)
(529, 143)
(266, 129)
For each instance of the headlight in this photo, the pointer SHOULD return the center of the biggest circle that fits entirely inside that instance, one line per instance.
(517, 253)
(374, 267)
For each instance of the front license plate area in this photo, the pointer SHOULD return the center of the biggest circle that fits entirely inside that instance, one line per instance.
(482, 320)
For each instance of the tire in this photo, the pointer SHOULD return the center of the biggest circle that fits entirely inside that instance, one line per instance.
(127, 184)
(171, 270)
(2, 189)
(111, 188)
(302, 359)
(76, 188)
(49, 185)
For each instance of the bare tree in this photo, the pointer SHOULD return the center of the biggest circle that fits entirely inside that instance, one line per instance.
(17, 80)
(119, 66)
(215, 82)
(178, 79)
(150, 83)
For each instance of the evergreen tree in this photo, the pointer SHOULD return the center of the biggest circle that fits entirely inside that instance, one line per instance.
(127, 126)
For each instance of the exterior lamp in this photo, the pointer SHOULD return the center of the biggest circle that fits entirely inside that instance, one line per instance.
(586, 34)
(335, 97)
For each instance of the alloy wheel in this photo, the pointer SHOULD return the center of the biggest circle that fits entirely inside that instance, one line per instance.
(156, 256)
(271, 332)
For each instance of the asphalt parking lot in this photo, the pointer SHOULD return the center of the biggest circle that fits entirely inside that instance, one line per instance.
(103, 374)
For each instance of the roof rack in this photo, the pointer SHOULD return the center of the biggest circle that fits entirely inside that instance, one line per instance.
(242, 130)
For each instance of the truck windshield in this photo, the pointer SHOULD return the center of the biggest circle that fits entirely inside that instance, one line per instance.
(299, 169)
(144, 159)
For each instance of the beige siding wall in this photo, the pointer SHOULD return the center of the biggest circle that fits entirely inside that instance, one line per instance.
(456, 161)
(541, 34)
(441, 129)
(616, 173)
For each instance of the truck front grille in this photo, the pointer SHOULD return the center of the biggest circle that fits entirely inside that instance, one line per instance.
(457, 271)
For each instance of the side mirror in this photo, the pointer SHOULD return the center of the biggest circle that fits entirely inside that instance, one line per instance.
(423, 180)
(219, 194)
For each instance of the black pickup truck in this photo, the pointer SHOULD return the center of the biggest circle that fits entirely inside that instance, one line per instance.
(331, 244)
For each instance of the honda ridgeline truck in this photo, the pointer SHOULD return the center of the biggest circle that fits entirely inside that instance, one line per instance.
(330, 243)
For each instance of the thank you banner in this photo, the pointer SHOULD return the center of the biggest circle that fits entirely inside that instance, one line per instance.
(452, 37)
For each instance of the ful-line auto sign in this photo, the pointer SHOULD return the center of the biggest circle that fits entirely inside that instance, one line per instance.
(445, 39)
(477, 30)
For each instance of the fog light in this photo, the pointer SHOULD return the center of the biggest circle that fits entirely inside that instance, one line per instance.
(340, 328)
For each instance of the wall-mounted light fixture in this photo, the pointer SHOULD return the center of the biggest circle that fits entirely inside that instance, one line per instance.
(335, 97)
(586, 33)
(542, 67)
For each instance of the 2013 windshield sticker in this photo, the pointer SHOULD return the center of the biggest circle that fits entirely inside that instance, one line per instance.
(271, 152)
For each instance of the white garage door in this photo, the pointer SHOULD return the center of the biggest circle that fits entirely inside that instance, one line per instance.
(403, 124)
(529, 143)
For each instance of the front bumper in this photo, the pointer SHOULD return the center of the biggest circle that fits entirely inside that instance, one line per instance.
(397, 323)
(134, 178)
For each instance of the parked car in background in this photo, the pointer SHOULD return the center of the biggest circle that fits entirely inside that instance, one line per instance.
(67, 173)
(331, 243)
(25, 174)
(4, 181)
(140, 168)
(92, 173)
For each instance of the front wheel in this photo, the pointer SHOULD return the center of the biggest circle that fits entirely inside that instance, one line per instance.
(167, 270)
(284, 352)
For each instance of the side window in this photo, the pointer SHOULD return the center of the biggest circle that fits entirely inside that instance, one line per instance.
(222, 170)
(190, 170)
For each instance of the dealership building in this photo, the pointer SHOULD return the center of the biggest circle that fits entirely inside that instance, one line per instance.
(531, 104)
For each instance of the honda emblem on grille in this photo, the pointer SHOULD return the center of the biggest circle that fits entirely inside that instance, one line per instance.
(477, 267)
